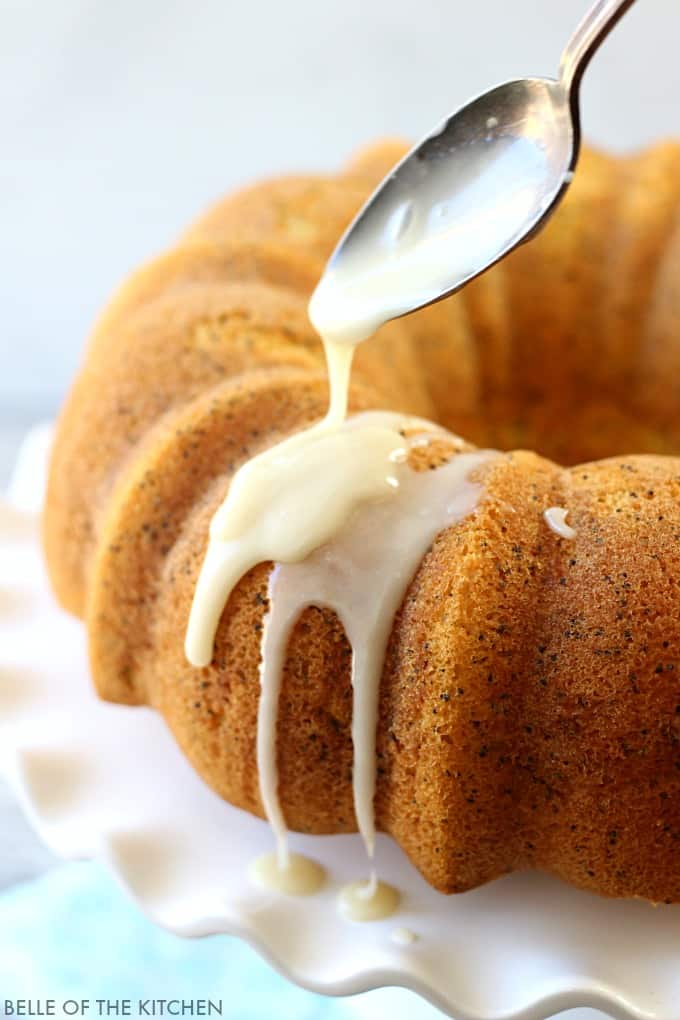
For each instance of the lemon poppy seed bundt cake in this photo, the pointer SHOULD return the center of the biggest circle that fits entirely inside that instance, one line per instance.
(529, 710)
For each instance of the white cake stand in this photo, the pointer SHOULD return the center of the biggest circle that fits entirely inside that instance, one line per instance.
(108, 782)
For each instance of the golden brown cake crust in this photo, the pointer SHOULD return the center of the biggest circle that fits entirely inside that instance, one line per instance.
(530, 702)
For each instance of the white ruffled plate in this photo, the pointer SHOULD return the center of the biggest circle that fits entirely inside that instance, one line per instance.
(105, 781)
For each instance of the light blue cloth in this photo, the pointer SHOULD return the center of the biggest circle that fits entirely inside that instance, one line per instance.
(74, 934)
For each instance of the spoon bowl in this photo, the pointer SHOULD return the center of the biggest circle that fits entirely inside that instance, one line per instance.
(461, 199)
(481, 183)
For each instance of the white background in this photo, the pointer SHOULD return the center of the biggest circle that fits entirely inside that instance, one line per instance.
(122, 118)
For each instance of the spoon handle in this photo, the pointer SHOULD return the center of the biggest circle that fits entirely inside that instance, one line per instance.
(593, 30)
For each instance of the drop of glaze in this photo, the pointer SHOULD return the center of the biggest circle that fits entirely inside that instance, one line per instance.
(556, 519)
(403, 936)
(296, 876)
(368, 900)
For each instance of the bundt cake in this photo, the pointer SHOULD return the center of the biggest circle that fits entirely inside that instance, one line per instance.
(529, 712)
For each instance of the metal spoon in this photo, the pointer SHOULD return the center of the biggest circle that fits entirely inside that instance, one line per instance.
(476, 187)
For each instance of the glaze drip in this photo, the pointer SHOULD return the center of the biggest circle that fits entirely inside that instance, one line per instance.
(556, 519)
(362, 575)
(368, 901)
(288, 501)
(297, 876)
(356, 558)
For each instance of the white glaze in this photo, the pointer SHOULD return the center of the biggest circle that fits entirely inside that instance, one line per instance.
(297, 876)
(556, 519)
(286, 502)
(339, 359)
(411, 255)
(368, 901)
(362, 575)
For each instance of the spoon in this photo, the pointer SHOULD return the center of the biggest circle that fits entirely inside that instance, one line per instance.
(483, 182)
